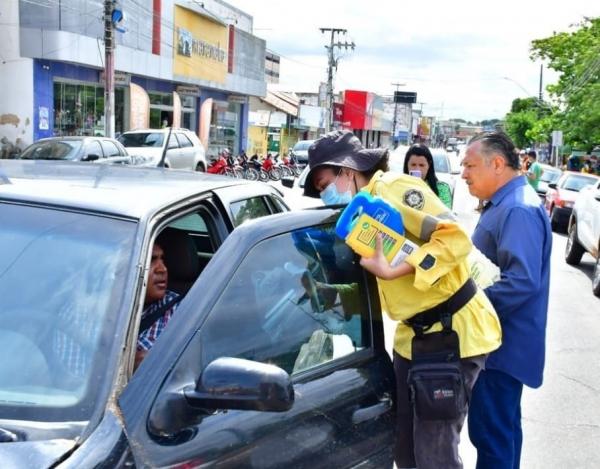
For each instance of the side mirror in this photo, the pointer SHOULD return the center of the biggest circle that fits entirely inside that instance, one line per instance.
(287, 181)
(225, 383)
(597, 196)
(552, 185)
(91, 157)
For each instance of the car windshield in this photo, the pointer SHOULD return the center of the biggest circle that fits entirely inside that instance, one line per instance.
(550, 176)
(576, 183)
(62, 277)
(53, 150)
(142, 139)
(440, 164)
(302, 146)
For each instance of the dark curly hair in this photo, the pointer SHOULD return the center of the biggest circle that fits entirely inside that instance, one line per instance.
(421, 150)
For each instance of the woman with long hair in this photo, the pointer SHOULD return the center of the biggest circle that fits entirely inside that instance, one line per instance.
(419, 162)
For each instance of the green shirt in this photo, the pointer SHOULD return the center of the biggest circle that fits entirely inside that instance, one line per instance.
(536, 170)
(445, 194)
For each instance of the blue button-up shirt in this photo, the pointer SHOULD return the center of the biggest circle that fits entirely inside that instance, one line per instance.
(514, 233)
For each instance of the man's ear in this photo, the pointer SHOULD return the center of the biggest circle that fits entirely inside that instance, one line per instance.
(499, 164)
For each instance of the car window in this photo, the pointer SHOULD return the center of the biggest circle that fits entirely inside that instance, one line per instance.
(302, 145)
(173, 142)
(550, 176)
(248, 209)
(295, 301)
(142, 139)
(576, 183)
(440, 164)
(110, 149)
(52, 150)
(183, 140)
(93, 148)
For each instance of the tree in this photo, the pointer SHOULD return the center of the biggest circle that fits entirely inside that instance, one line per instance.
(575, 56)
(518, 124)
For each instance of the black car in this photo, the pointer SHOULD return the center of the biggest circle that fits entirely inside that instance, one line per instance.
(97, 149)
(275, 356)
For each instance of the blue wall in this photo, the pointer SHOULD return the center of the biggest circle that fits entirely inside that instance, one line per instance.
(45, 71)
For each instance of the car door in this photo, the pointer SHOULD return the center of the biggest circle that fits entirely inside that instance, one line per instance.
(174, 158)
(188, 152)
(113, 154)
(287, 293)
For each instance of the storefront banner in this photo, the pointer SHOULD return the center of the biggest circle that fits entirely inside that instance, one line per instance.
(139, 115)
(43, 118)
(176, 110)
(188, 90)
(312, 116)
(201, 46)
(258, 118)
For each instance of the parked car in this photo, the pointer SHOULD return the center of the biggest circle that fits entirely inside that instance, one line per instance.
(561, 197)
(293, 191)
(184, 150)
(257, 368)
(300, 151)
(93, 149)
(550, 175)
(584, 231)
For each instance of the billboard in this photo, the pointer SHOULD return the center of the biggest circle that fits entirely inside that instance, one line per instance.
(312, 116)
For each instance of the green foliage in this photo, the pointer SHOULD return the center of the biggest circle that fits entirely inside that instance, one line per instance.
(575, 56)
(518, 125)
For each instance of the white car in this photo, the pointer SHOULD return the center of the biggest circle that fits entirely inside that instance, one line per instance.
(584, 231)
(184, 149)
(293, 192)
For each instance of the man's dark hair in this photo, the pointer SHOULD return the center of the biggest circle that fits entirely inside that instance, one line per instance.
(499, 143)
(532, 153)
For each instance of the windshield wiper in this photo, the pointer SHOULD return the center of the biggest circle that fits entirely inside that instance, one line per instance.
(7, 436)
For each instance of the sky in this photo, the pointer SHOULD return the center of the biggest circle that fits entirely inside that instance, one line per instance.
(465, 59)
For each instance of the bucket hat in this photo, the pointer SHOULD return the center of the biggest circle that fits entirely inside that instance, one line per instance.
(339, 148)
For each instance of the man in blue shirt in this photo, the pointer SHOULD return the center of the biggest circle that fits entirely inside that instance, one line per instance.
(514, 233)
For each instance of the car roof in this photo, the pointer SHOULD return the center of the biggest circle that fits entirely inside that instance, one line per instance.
(124, 191)
(73, 137)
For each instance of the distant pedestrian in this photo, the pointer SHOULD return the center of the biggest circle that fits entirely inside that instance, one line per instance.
(534, 172)
(514, 233)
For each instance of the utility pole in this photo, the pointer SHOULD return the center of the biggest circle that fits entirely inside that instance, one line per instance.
(541, 95)
(332, 63)
(397, 85)
(109, 69)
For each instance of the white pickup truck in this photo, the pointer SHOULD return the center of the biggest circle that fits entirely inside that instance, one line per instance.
(584, 231)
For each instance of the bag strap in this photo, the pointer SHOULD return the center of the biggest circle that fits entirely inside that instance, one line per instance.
(443, 312)
(149, 320)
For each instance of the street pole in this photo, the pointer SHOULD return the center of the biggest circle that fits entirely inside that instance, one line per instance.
(397, 85)
(109, 69)
(331, 64)
(541, 96)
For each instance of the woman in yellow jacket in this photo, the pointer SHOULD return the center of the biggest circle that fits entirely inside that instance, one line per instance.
(429, 276)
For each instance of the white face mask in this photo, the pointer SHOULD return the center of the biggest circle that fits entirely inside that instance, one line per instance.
(331, 196)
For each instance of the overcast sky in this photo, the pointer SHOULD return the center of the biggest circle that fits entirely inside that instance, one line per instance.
(454, 54)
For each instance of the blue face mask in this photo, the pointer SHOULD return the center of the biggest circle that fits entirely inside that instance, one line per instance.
(331, 196)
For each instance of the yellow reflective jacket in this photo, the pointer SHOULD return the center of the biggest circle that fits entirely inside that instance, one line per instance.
(440, 264)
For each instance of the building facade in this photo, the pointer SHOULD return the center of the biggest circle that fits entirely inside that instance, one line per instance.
(365, 114)
(178, 63)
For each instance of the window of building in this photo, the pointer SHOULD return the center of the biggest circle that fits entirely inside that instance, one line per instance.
(225, 126)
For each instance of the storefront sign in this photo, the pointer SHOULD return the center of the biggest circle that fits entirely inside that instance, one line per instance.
(237, 99)
(201, 46)
(44, 121)
(188, 90)
(312, 116)
(121, 78)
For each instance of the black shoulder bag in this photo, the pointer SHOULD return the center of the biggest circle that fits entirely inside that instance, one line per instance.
(435, 377)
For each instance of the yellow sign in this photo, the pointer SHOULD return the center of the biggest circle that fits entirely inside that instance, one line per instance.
(201, 47)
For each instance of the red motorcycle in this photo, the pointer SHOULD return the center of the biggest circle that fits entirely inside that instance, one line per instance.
(219, 166)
